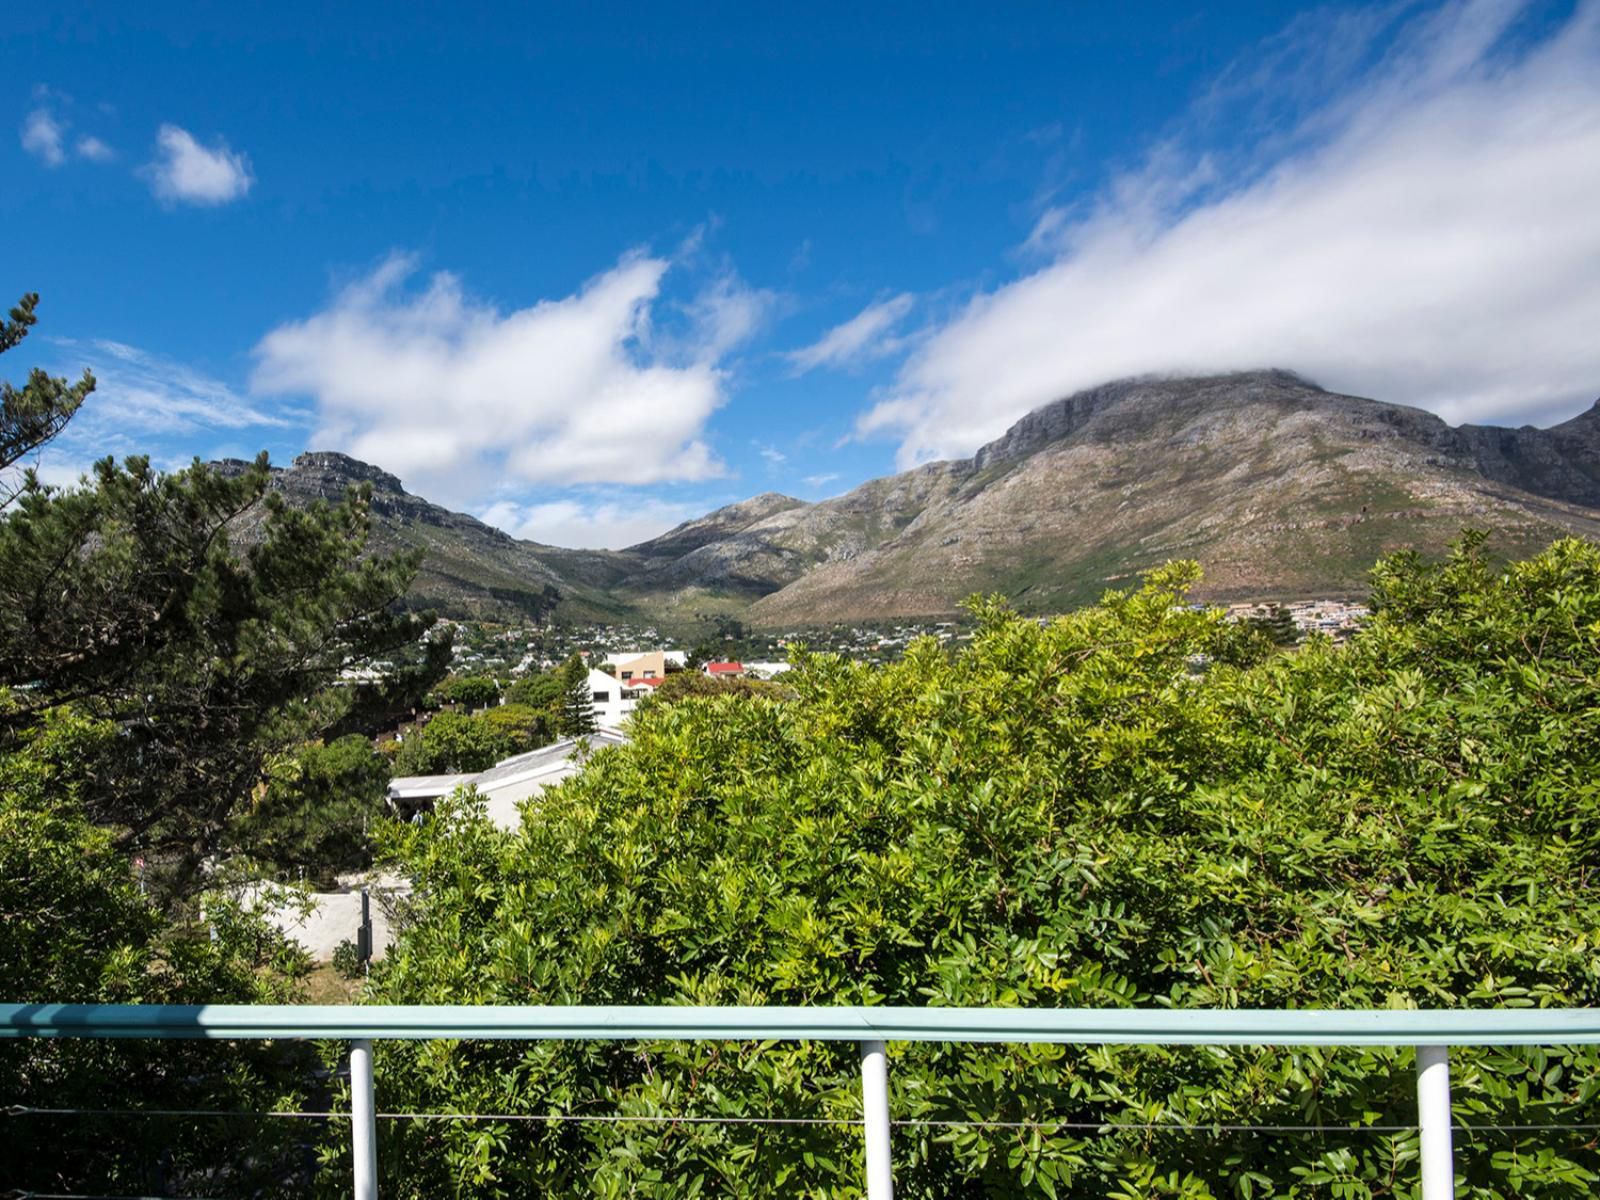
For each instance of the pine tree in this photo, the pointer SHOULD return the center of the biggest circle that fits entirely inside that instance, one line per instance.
(31, 417)
(1278, 626)
(130, 600)
(577, 702)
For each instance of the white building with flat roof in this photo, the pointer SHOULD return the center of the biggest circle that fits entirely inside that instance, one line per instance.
(506, 784)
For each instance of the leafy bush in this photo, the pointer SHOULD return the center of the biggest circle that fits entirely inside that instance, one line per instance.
(1063, 815)
(76, 927)
(542, 691)
(347, 960)
(469, 691)
(680, 685)
(452, 742)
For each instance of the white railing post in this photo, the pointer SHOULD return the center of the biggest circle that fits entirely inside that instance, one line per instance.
(1433, 1122)
(363, 1122)
(875, 1111)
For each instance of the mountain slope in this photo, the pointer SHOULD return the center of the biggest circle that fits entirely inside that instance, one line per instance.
(1279, 488)
(469, 569)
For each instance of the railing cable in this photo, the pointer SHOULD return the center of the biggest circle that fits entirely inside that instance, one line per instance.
(27, 1110)
(1043, 1124)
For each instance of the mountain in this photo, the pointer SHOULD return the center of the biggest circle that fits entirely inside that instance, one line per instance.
(1279, 488)
(469, 569)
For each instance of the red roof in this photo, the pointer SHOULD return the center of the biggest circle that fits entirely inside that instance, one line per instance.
(724, 668)
(643, 681)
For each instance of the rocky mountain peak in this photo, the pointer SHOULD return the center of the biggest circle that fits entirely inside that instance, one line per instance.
(714, 526)
(341, 468)
(1141, 397)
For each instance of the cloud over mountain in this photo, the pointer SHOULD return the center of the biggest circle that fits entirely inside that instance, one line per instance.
(453, 392)
(1427, 233)
(608, 522)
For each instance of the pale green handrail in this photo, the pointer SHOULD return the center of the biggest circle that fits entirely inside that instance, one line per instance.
(1122, 1026)
(1431, 1031)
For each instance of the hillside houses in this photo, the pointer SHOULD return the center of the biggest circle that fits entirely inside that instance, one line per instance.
(1337, 619)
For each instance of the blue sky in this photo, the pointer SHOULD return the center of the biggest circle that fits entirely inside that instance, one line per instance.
(589, 270)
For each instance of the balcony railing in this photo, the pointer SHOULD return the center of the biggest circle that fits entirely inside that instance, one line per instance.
(1431, 1032)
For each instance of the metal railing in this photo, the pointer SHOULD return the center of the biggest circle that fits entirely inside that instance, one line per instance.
(1430, 1032)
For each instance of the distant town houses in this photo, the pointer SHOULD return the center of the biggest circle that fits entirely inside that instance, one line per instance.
(1337, 619)
(765, 670)
(632, 665)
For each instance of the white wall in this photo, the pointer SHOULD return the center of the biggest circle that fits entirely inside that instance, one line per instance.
(614, 707)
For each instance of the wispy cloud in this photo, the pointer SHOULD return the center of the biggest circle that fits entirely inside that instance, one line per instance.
(862, 337)
(1420, 228)
(820, 481)
(43, 136)
(724, 314)
(452, 392)
(46, 128)
(146, 394)
(771, 453)
(145, 403)
(92, 148)
(186, 172)
(608, 523)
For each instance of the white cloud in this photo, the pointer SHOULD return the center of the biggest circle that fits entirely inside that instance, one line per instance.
(862, 336)
(726, 313)
(143, 403)
(771, 453)
(453, 394)
(93, 149)
(44, 132)
(186, 172)
(42, 137)
(1427, 236)
(140, 391)
(605, 523)
(820, 481)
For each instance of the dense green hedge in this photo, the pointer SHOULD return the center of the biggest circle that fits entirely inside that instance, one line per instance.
(1136, 804)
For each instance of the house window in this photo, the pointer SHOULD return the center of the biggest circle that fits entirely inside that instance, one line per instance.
(627, 675)
(649, 674)
(602, 697)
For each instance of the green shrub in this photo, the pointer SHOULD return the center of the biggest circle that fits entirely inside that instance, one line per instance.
(347, 960)
(468, 691)
(1061, 815)
(454, 742)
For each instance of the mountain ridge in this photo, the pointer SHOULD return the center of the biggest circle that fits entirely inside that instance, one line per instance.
(1281, 488)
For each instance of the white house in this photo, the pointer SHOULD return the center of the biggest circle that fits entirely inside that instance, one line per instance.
(765, 670)
(613, 699)
(507, 783)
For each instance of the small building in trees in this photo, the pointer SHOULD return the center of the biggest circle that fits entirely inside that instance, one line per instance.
(508, 782)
